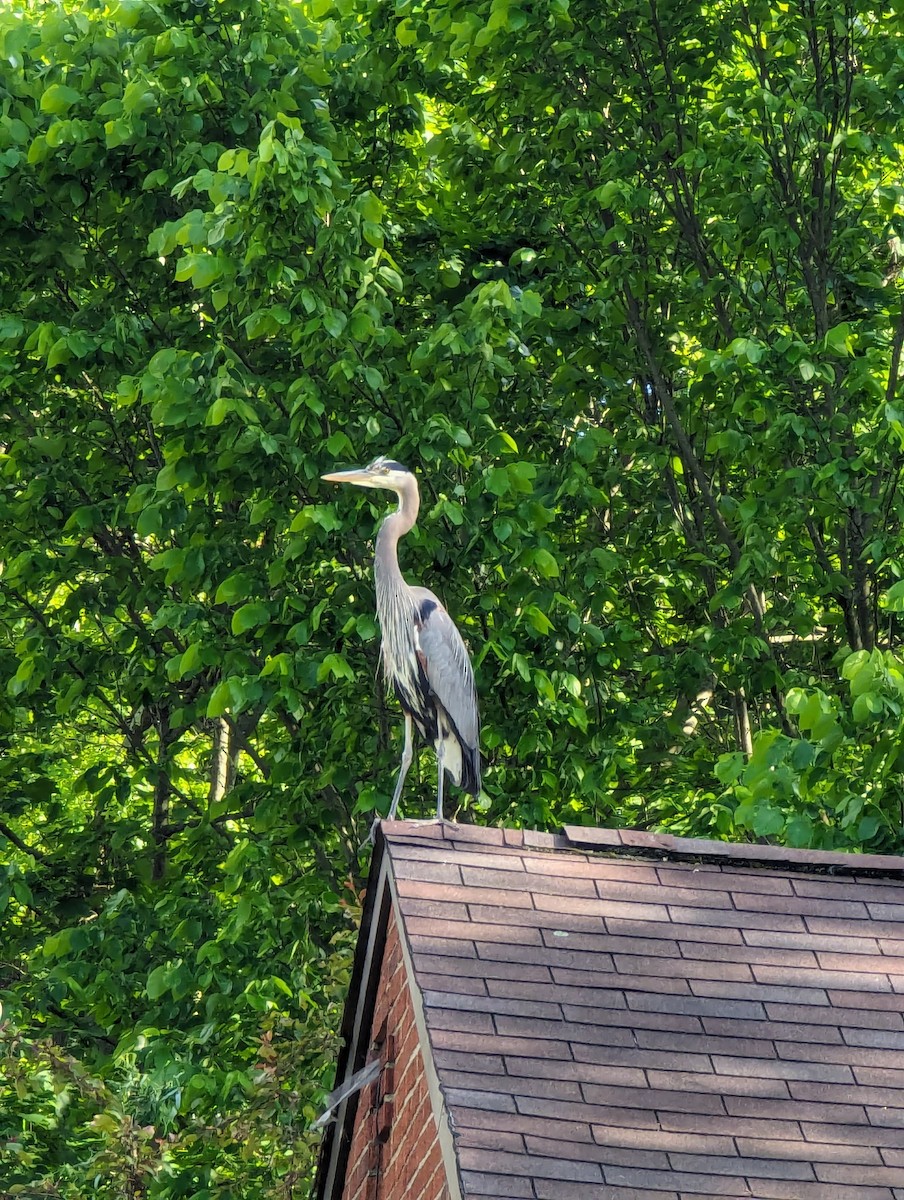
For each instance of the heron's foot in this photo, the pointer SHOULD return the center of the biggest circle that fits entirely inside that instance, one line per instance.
(371, 834)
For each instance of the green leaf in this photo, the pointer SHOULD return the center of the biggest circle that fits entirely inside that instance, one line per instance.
(405, 32)
(249, 616)
(220, 700)
(158, 982)
(58, 99)
(893, 599)
(729, 767)
(545, 563)
(234, 587)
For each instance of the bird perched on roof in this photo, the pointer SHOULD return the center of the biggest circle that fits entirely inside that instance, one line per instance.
(424, 658)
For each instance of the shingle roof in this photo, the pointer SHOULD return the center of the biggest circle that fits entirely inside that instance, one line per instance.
(659, 1018)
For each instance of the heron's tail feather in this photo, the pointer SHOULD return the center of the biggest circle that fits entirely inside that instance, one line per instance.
(461, 762)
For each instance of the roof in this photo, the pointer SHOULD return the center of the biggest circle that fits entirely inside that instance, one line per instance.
(613, 1014)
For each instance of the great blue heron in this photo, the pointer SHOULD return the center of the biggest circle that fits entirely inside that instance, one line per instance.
(424, 657)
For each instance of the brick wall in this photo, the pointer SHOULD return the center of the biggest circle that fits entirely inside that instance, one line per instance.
(408, 1164)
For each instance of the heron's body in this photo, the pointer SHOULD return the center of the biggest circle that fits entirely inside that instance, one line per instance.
(424, 658)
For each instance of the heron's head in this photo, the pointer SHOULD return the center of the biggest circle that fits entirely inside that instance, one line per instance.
(381, 473)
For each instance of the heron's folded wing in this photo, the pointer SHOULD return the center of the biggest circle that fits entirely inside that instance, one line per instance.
(446, 664)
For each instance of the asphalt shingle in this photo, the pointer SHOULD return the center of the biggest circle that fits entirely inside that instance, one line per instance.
(616, 1014)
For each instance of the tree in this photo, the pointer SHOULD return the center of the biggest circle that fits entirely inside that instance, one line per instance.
(623, 287)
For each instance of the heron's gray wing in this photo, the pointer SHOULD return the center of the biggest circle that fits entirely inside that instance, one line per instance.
(446, 664)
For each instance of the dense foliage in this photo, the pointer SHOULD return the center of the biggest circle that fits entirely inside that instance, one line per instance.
(623, 286)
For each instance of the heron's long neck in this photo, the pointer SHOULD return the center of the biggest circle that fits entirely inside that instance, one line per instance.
(391, 586)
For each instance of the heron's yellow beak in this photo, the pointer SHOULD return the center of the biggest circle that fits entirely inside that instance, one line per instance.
(359, 476)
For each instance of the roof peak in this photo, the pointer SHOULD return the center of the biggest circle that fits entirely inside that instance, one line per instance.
(641, 843)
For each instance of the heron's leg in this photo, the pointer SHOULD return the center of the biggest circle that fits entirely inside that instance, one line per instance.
(403, 769)
(440, 757)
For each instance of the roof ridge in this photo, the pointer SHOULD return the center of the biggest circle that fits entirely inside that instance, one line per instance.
(644, 843)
